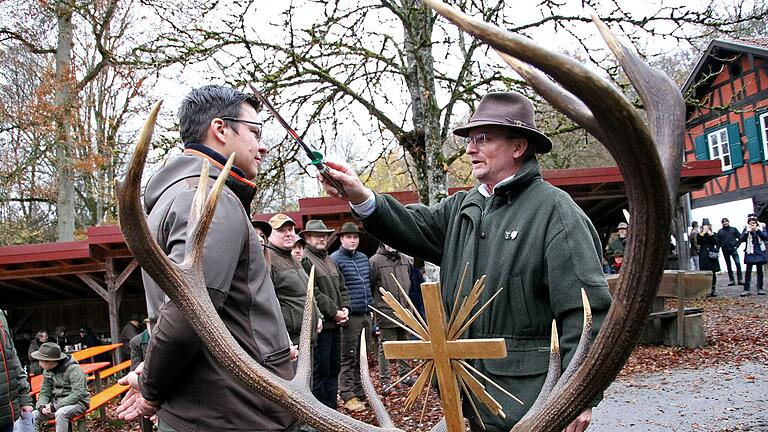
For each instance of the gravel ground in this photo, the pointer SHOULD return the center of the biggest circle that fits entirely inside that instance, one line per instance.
(712, 399)
(716, 398)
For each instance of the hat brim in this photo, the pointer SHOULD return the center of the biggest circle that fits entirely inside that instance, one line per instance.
(541, 143)
(37, 356)
(301, 234)
(360, 233)
(265, 227)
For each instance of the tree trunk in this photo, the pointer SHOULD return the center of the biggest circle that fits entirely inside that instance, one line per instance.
(65, 207)
(427, 148)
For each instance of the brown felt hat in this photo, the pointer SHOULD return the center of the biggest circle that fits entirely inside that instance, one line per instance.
(509, 109)
(277, 221)
(48, 351)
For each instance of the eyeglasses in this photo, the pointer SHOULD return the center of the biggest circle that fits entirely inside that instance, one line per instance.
(249, 122)
(235, 119)
(481, 139)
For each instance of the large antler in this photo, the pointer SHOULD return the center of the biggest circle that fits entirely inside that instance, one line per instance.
(185, 285)
(650, 162)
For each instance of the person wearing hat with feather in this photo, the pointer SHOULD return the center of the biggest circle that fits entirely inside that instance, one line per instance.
(525, 235)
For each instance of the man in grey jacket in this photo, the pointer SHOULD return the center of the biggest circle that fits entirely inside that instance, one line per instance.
(179, 374)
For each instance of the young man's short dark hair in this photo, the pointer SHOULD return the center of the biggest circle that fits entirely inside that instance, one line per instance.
(206, 103)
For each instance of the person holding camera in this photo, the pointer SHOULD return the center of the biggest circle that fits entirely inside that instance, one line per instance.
(754, 253)
(709, 252)
(63, 394)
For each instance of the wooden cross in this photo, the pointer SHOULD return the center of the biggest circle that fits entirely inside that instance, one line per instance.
(443, 353)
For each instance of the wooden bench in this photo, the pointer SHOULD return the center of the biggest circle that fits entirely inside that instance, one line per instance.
(683, 326)
(97, 401)
(108, 372)
(99, 375)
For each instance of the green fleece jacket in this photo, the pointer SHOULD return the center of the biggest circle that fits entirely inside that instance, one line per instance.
(530, 239)
(64, 385)
(290, 282)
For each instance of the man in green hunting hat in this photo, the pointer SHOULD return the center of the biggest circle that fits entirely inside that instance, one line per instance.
(333, 302)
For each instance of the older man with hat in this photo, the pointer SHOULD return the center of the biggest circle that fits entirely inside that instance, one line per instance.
(63, 394)
(287, 274)
(619, 243)
(333, 301)
(526, 235)
(356, 270)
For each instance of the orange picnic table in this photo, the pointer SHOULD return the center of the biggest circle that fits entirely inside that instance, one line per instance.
(36, 382)
(94, 351)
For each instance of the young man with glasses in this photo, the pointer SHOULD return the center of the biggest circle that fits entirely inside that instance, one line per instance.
(180, 376)
(527, 236)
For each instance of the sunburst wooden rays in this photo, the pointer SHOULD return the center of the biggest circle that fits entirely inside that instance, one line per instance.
(442, 352)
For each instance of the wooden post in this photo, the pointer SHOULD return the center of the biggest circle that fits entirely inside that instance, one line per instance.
(681, 308)
(114, 305)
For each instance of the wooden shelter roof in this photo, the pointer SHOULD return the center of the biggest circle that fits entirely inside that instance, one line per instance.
(58, 271)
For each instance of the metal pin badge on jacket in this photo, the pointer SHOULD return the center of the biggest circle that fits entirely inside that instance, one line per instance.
(510, 235)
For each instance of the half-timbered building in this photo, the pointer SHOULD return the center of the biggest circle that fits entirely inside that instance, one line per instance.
(727, 121)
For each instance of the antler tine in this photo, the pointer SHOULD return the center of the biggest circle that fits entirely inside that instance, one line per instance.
(628, 139)
(553, 374)
(562, 100)
(379, 410)
(308, 325)
(201, 220)
(131, 213)
(585, 342)
(663, 101)
(198, 202)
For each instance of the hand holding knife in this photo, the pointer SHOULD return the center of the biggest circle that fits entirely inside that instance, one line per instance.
(314, 156)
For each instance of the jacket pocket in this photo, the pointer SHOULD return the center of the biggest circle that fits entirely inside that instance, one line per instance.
(524, 358)
(511, 313)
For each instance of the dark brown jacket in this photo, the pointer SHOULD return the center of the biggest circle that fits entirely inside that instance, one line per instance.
(331, 292)
(197, 394)
(290, 282)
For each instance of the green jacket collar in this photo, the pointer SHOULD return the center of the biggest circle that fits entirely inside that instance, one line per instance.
(527, 174)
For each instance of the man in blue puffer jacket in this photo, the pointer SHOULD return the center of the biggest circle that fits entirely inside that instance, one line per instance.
(356, 270)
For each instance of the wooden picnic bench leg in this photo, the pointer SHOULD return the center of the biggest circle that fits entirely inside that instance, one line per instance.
(681, 309)
(98, 384)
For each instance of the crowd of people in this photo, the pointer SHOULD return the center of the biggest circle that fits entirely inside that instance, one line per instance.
(706, 245)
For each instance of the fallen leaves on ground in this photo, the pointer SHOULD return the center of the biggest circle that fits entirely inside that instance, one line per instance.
(736, 330)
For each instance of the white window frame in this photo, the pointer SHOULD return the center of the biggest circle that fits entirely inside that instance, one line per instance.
(762, 124)
(720, 148)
